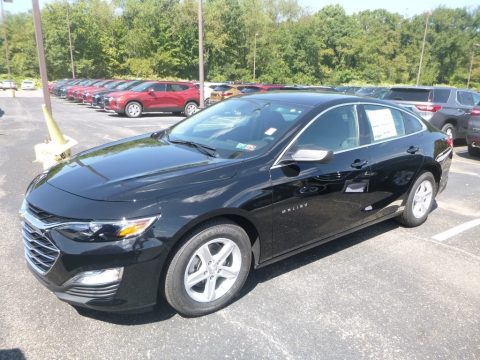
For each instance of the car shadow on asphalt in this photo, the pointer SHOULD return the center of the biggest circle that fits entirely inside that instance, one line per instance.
(148, 115)
(466, 155)
(163, 311)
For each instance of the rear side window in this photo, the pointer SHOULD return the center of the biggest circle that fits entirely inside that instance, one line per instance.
(422, 95)
(441, 95)
(412, 124)
(385, 123)
(465, 98)
(176, 87)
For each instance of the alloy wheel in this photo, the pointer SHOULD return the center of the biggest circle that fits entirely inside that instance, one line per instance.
(212, 270)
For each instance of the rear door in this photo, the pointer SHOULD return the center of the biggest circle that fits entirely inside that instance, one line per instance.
(174, 96)
(466, 102)
(396, 155)
(155, 100)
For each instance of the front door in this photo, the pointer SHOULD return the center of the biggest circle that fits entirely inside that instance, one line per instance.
(312, 201)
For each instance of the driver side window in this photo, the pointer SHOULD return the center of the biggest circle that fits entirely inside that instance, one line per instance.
(335, 130)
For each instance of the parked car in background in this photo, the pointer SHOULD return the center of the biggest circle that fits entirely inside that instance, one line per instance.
(446, 108)
(347, 89)
(208, 87)
(473, 131)
(60, 89)
(253, 88)
(81, 94)
(27, 85)
(8, 84)
(156, 96)
(98, 97)
(224, 91)
(377, 92)
(185, 213)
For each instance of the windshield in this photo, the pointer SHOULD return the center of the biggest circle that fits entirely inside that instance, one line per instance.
(142, 87)
(239, 128)
(113, 84)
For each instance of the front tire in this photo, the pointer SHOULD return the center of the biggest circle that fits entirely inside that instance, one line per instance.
(208, 271)
(133, 109)
(420, 201)
(190, 108)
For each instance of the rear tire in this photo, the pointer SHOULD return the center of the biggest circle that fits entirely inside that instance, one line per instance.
(419, 202)
(473, 151)
(208, 271)
(450, 130)
(133, 109)
(191, 108)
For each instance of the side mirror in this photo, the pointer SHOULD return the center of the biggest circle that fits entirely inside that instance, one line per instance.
(309, 154)
(150, 90)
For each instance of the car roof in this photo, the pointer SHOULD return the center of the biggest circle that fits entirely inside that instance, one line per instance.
(422, 87)
(309, 98)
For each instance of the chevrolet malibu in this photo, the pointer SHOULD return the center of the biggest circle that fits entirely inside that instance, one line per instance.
(185, 213)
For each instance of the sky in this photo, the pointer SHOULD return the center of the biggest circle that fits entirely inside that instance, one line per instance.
(404, 7)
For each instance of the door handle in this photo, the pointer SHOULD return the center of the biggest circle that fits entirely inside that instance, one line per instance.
(413, 149)
(358, 164)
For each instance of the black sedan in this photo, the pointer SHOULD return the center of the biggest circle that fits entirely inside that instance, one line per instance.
(184, 213)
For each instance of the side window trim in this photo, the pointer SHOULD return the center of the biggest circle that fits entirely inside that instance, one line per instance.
(276, 163)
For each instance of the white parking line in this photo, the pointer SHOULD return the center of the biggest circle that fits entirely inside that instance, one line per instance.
(456, 230)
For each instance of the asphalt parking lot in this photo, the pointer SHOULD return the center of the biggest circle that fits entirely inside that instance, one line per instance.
(385, 292)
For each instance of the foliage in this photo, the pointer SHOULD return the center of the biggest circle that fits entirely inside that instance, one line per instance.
(159, 39)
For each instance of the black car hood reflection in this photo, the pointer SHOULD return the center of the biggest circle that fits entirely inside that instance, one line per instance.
(136, 169)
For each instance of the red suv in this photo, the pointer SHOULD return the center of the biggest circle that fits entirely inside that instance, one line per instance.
(155, 96)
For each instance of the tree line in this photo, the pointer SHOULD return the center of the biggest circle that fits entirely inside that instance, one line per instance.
(289, 44)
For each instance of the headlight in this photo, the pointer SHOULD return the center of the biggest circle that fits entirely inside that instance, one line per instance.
(96, 231)
(87, 94)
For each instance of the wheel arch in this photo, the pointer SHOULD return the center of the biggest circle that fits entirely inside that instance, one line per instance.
(436, 171)
(237, 216)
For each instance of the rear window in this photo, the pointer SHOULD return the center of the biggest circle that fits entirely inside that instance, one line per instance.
(222, 88)
(248, 89)
(422, 95)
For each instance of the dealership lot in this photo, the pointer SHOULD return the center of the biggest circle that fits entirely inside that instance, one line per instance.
(384, 292)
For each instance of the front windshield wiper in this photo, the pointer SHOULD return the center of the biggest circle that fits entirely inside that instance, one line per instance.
(205, 149)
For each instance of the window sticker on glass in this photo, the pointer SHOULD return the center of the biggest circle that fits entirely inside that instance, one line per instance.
(270, 131)
(382, 123)
(248, 147)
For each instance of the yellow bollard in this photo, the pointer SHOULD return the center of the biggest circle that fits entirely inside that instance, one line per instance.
(58, 148)
(13, 92)
(53, 129)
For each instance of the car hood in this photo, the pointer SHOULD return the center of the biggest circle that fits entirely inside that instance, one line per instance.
(137, 168)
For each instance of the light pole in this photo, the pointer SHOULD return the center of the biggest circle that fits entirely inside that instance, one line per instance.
(201, 74)
(423, 47)
(471, 64)
(4, 25)
(254, 55)
(41, 54)
(70, 39)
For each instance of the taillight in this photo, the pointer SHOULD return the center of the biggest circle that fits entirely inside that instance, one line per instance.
(449, 141)
(429, 108)
(475, 112)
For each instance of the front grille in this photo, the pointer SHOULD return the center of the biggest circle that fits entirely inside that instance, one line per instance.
(46, 217)
(103, 292)
(40, 252)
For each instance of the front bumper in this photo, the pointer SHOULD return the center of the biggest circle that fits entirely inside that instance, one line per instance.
(55, 260)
